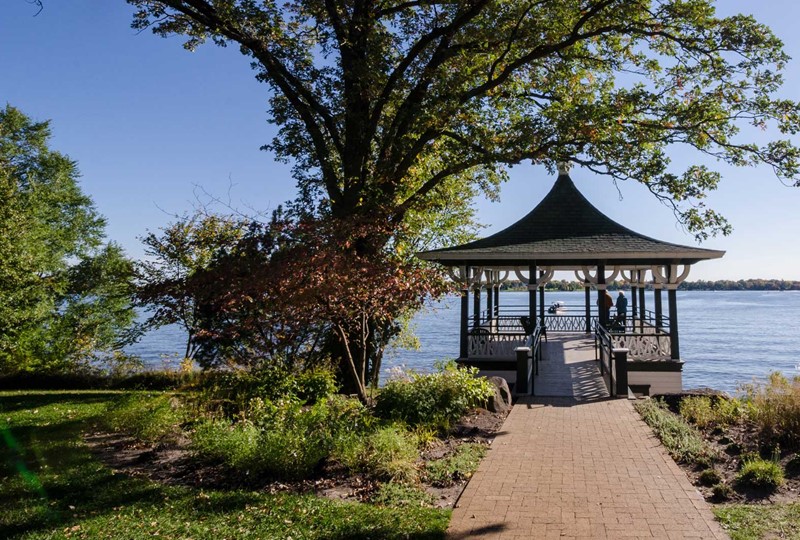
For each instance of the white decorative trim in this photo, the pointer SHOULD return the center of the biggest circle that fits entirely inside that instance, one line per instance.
(466, 281)
(672, 280)
(520, 277)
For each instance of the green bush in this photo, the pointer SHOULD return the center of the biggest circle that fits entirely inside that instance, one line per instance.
(775, 409)
(721, 491)
(728, 411)
(389, 453)
(460, 466)
(761, 474)
(709, 477)
(681, 440)
(284, 439)
(148, 417)
(697, 410)
(437, 399)
(231, 392)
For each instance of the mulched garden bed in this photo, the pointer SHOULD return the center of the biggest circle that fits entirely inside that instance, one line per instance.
(174, 464)
(731, 444)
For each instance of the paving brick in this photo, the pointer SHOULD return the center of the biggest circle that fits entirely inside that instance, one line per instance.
(578, 466)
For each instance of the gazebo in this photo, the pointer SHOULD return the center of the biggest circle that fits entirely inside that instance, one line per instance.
(565, 232)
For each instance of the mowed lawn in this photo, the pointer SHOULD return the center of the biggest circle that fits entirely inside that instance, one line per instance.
(52, 487)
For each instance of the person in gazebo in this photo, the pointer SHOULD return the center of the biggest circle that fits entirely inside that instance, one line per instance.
(622, 308)
(606, 303)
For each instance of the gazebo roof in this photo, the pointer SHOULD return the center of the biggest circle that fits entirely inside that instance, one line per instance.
(566, 230)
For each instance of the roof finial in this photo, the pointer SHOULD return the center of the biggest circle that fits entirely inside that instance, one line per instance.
(564, 167)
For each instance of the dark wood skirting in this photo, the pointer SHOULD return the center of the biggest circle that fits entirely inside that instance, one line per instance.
(664, 365)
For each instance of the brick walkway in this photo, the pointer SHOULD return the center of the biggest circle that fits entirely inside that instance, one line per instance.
(568, 468)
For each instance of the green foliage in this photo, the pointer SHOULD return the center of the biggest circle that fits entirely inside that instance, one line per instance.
(66, 297)
(232, 391)
(703, 411)
(436, 399)
(457, 467)
(681, 440)
(709, 477)
(390, 453)
(281, 439)
(759, 521)
(697, 410)
(54, 487)
(760, 474)
(397, 495)
(774, 407)
(148, 417)
(721, 491)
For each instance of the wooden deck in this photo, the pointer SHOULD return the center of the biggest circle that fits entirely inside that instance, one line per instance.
(568, 369)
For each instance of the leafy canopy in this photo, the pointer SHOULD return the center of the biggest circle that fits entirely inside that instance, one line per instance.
(63, 295)
(410, 107)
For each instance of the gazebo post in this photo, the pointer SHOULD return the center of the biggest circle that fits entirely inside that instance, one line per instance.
(642, 313)
(489, 296)
(601, 295)
(659, 309)
(541, 299)
(588, 295)
(476, 304)
(463, 342)
(634, 298)
(532, 291)
(497, 301)
(672, 298)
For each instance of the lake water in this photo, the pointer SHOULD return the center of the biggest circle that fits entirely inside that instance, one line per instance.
(726, 337)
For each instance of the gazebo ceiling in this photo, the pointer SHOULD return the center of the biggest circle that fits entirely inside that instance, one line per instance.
(565, 231)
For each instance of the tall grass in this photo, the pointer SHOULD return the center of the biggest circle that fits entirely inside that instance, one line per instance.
(682, 441)
(774, 407)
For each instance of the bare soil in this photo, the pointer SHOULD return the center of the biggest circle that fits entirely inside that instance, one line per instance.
(731, 444)
(173, 463)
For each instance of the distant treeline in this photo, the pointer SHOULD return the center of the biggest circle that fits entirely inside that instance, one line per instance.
(699, 285)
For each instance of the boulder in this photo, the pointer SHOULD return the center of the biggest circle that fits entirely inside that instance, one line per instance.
(500, 402)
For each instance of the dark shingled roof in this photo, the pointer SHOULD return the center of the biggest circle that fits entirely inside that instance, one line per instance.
(565, 229)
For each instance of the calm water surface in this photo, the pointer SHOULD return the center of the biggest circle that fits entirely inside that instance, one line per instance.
(727, 338)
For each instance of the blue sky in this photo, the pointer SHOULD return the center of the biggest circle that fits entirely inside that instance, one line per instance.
(152, 125)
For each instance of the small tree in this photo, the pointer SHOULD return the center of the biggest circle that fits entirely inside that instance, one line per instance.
(174, 257)
(64, 297)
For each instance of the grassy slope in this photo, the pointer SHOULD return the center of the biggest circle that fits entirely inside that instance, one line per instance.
(52, 487)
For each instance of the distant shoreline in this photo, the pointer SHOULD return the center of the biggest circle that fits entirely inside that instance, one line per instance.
(700, 285)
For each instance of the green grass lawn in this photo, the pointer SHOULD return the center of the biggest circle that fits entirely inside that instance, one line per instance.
(52, 487)
(756, 521)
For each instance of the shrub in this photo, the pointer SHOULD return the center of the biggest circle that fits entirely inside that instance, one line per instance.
(235, 445)
(697, 410)
(436, 399)
(761, 474)
(460, 466)
(728, 411)
(721, 491)
(681, 440)
(231, 392)
(389, 453)
(148, 417)
(793, 465)
(282, 439)
(709, 477)
(775, 409)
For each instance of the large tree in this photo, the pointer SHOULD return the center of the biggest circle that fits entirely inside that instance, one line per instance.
(400, 111)
(64, 296)
(383, 105)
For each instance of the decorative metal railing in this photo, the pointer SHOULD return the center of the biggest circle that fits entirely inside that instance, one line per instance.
(643, 345)
(494, 344)
(604, 347)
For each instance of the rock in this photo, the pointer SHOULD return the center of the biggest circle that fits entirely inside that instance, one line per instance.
(500, 402)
